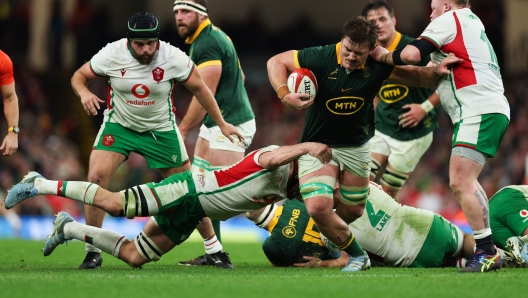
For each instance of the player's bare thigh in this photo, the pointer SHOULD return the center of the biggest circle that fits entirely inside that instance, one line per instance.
(216, 157)
(102, 166)
(169, 171)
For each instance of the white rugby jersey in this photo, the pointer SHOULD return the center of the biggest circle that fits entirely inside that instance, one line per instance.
(244, 186)
(140, 96)
(474, 87)
(390, 230)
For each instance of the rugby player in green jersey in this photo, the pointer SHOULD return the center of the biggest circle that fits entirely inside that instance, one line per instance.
(509, 220)
(342, 116)
(405, 117)
(392, 234)
(215, 56)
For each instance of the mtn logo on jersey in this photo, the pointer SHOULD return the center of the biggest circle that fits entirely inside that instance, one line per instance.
(345, 105)
(157, 74)
(392, 93)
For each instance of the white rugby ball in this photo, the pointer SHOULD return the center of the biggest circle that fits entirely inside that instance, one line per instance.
(302, 80)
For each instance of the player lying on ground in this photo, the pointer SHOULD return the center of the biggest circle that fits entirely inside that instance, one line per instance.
(392, 234)
(509, 220)
(176, 204)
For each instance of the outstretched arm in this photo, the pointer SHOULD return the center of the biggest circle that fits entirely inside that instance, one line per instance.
(205, 97)
(427, 76)
(316, 262)
(195, 112)
(286, 154)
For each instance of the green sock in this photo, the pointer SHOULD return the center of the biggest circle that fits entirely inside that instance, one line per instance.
(352, 247)
(216, 228)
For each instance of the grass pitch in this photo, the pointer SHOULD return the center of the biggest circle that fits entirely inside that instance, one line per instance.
(25, 272)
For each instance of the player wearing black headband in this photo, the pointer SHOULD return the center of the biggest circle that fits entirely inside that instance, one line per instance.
(141, 72)
(217, 60)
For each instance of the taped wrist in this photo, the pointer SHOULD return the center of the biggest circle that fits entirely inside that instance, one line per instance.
(396, 59)
(427, 106)
(282, 91)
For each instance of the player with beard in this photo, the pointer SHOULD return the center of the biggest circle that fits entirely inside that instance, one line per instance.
(217, 61)
(141, 72)
(342, 116)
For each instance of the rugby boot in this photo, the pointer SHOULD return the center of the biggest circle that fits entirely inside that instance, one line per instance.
(519, 250)
(357, 263)
(92, 261)
(57, 234)
(482, 262)
(219, 259)
(22, 190)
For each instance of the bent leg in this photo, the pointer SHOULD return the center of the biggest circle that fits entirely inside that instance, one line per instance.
(151, 242)
(103, 165)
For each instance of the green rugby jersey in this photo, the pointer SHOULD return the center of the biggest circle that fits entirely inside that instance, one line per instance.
(508, 211)
(343, 111)
(394, 96)
(211, 46)
(293, 235)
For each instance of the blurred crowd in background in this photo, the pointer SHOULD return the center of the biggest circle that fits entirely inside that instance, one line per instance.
(56, 135)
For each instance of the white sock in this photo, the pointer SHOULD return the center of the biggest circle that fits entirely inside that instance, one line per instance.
(461, 263)
(81, 191)
(90, 248)
(212, 245)
(106, 240)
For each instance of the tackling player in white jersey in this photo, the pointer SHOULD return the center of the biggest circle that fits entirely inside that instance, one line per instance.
(473, 96)
(176, 205)
(393, 235)
(141, 71)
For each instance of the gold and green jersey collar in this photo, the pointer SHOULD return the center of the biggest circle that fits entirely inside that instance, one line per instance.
(395, 42)
(338, 55)
(204, 24)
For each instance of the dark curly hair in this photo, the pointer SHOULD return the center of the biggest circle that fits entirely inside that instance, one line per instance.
(360, 31)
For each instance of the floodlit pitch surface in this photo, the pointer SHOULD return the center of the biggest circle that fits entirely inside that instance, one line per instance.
(25, 272)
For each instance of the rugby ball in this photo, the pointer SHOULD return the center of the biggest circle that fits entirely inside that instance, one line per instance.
(302, 80)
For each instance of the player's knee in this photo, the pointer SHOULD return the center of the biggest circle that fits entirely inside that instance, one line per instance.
(350, 213)
(129, 254)
(393, 179)
(114, 208)
(147, 251)
(320, 209)
(353, 195)
(98, 177)
(375, 166)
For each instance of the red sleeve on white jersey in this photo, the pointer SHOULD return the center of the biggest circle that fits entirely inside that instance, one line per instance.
(244, 168)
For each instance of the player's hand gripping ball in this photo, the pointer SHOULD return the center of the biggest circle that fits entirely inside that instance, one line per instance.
(302, 80)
